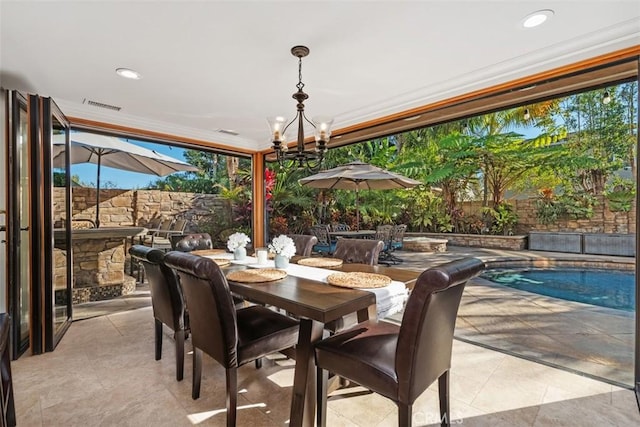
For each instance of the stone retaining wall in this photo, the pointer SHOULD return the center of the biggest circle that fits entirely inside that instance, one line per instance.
(138, 207)
(515, 243)
(602, 221)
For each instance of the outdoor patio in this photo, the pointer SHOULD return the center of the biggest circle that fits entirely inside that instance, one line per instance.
(114, 379)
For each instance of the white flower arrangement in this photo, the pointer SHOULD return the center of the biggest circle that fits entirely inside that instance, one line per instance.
(237, 240)
(283, 245)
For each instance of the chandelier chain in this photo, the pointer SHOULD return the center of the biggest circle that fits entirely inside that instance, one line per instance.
(300, 85)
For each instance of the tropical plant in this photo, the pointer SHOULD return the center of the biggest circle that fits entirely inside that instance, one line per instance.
(620, 195)
(503, 218)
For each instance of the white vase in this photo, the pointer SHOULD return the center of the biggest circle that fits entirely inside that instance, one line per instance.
(281, 261)
(240, 254)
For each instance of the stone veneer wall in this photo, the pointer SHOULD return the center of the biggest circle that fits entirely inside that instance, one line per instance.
(515, 243)
(138, 207)
(603, 220)
(99, 264)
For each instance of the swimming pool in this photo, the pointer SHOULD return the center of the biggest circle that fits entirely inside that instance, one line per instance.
(605, 288)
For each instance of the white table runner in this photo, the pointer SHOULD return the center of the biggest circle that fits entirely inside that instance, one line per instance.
(389, 300)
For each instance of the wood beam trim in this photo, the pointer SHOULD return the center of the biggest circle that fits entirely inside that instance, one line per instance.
(135, 132)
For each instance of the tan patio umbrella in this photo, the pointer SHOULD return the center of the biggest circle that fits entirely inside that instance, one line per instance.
(115, 153)
(356, 176)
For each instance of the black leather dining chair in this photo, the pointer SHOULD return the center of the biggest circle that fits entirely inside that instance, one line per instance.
(191, 242)
(166, 300)
(354, 251)
(304, 243)
(8, 414)
(401, 362)
(360, 251)
(230, 336)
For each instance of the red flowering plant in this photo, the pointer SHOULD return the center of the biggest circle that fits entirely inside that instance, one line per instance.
(269, 183)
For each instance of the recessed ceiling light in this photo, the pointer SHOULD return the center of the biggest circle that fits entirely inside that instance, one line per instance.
(128, 74)
(408, 119)
(537, 18)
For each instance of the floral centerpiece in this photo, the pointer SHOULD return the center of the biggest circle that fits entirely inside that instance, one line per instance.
(237, 244)
(284, 248)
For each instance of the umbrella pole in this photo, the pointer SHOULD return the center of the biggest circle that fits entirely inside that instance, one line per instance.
(357, 210)
(98, 193)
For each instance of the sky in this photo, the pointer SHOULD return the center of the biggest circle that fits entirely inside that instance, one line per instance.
(123, 179)
(116, 178)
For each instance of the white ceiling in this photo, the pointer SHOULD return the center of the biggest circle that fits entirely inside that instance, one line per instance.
(217, 65)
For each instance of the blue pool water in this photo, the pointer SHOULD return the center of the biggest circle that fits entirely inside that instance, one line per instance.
(613, 289)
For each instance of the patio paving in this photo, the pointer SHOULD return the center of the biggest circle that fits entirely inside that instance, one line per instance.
(582, 338)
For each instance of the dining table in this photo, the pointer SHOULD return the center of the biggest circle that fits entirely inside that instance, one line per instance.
(353, 234)
(314, 302)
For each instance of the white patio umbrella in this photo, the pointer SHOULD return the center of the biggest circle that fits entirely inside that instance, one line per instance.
(116, 153)
(358, 175)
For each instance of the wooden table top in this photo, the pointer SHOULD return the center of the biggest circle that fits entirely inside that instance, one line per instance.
(314, 299)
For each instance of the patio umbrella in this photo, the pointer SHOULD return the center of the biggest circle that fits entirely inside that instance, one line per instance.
(116, 153)
(358, 175)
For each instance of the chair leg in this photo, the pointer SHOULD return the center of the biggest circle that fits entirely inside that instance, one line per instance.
(158, 331)
(404, 415)
(443, 392)
(197, 373)
(321, 397)
(259, 363)
(179, 355)
(232, 396)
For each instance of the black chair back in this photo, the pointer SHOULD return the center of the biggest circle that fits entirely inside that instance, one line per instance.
(166, 294)
(191, 242)
(425, 339)
(304, 243)
(361, 251)
(212, 314)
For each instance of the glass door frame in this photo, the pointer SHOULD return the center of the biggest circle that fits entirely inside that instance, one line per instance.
(51, 114)
(17, 104)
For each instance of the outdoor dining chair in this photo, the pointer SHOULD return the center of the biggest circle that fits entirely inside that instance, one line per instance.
(231, 336)
(393, 236)
(340, 227)
(166, 300)
(324, 246)
(401, 362)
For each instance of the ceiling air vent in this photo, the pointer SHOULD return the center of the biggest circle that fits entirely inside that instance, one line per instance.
(102, 105)
(228, 132)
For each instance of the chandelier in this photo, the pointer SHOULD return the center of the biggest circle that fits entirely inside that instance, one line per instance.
(302, 157)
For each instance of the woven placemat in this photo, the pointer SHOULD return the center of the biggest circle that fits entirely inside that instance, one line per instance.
(321, 262)
(256, 275)
(358, 280)
(205, 252)
(221, 261)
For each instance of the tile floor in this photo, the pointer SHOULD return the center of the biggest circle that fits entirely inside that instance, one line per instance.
(104, 373)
